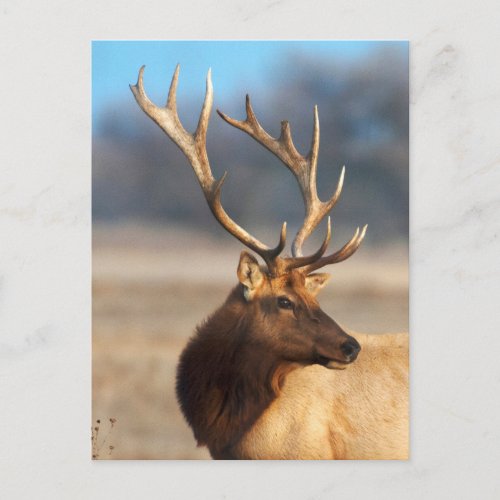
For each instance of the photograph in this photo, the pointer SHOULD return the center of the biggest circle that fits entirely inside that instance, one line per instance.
(250, 237)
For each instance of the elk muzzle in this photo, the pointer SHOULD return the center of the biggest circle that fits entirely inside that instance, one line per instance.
(334, 347)
(350, 348)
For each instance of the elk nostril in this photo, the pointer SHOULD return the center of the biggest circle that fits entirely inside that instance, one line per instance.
(350, 348)
(347, 348)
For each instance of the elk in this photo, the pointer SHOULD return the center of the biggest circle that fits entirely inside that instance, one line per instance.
(268, 375)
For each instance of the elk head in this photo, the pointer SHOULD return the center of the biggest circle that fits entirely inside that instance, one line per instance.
(278, 299)
(286, 320)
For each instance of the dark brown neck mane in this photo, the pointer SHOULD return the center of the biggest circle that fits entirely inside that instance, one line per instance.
(225, 379)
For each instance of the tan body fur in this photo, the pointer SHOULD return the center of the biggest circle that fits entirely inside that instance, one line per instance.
(353, 414)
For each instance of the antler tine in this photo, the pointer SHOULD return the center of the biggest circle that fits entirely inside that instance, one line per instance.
(172, 91)
(345, 252)
(294, 262)
(315, 211)
(201, 130)
(313, 154)
(194, 148)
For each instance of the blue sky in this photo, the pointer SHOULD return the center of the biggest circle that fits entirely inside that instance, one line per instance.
(234, 64)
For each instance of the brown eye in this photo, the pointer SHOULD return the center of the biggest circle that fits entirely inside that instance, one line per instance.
(285, 303)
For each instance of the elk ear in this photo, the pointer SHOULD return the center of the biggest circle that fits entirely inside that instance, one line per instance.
(249, 274)
(315, 282)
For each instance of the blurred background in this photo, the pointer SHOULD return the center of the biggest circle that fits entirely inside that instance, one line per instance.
(161, 263)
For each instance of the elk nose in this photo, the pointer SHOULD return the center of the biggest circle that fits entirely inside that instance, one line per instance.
(350, 348)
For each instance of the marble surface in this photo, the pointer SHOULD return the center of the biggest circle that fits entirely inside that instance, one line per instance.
(45, 253)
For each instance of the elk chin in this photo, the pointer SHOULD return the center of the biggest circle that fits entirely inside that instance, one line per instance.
(336, 365)
(332, 363)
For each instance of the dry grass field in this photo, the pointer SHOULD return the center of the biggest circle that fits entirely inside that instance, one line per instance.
(151, 286)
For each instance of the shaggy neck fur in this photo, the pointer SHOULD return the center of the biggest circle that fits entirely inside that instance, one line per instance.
(225, 379)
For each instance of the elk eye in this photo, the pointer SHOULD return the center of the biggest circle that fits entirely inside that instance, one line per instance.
(285, 303)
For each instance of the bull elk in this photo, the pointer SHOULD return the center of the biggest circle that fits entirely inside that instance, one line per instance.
(264, 376)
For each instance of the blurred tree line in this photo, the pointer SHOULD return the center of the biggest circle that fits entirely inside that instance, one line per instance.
(139, 174)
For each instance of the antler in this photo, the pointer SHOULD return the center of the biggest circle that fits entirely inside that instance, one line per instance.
(304, 170)
(303, 167)
(194, 148)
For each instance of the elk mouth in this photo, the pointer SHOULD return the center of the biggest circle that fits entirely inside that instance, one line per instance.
(331, 362)
(349, 351)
